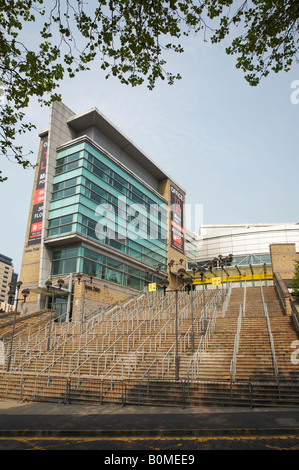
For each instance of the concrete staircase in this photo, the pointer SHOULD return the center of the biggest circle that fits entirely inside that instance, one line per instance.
(254, 355)
(127, 353)
(121, 344)
(215, 361)
(284, 334)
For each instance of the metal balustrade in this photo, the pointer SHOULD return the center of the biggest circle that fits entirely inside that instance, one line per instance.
(194, 363)
(228, 290)
(237, 338)
(108, 335)
(270, 337)
(149, 327)
(121, 357)
(139, 354)
(236, 346)
(33, 336)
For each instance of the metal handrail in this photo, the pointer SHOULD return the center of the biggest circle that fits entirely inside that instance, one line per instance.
(116, 316)
(21, 365)
(19, 334)
(136, 352)
(203, 344)
(271, 338)
(148, 374)
(113, 345)
(244, 299)
(227, 297)
(236, 346)
(111, 371)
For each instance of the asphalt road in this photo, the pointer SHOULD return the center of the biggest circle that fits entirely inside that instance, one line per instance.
(185, 450)
(117, 430)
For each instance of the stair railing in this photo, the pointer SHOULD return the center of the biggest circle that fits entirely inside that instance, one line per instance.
(147, 373)
(32, 336)
(116, 320)
(244, 299)
(271, 340)
(163, 332)
(134, 357)
(203, 344)
(110, 372)
(134, 333)
(236, 346)
(226, 300)
(41, 353)
(171, 351)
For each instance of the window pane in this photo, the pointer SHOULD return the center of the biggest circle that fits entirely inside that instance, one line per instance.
(57, 267)
(133, 282)
(71, 252)
(66, 228)
(113, 276)
(52, 232)
(115, 264)
(53, 223)
(70, 265)
(67, 219)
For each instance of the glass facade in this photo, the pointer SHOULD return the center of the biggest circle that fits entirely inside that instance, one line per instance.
(98, 199)
(191, 249)
(253, 260)
(81, 259)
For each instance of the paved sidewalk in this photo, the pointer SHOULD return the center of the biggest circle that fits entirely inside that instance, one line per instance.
(48, 419)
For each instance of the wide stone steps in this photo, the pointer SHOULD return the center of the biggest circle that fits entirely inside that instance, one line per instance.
(131, 356)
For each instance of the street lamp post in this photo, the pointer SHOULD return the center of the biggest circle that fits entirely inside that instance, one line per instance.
(222, 290)
(79, 277)
(165, 284)
(201, 271)
(14, 296)
(49, 286)
(189, 284)
(224, 261)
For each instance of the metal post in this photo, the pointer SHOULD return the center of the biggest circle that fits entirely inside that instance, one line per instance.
(222, 284)
(69, 299)
(164, 284)
(50, 324)
(192, 328)
(204, 302)
(11, 295)
(83, 301)
(12, 336)
(177, 359)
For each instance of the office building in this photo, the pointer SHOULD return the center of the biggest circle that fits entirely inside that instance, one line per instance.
(103, 216)
(7, 275)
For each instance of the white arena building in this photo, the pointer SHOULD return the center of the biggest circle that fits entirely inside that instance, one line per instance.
(238, 252)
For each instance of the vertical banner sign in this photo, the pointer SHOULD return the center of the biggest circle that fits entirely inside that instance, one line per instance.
(38, 203)
(177, 217)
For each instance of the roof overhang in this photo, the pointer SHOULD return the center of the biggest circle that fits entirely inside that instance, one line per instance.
(93, 117)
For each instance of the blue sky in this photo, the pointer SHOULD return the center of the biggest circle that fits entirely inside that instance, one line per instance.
(233, 148)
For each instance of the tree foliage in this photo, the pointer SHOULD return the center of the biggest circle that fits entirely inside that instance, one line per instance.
(270, 37)
(129, 39)
(295, 281)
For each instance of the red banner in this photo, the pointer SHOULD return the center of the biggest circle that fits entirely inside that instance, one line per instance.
(38, 202)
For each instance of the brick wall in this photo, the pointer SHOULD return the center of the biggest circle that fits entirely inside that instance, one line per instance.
(90, 297)
(283, 257)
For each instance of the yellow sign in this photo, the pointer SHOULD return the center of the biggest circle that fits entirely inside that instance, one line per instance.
(247, 277)
(216, 281)
(152, 287)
